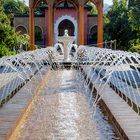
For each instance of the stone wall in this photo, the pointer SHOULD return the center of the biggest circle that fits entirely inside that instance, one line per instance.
(22, 22)
(92, 21)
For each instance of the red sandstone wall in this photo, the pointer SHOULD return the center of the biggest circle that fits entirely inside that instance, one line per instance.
(61, 12)
(70, 12)
(43, 22)
(92, 21)
(86, 27)
(46, 22)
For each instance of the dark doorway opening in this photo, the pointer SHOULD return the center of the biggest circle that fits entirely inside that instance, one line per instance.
(66, 24)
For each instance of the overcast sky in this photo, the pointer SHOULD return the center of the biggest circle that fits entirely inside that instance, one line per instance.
(105, 1)
(108, 2)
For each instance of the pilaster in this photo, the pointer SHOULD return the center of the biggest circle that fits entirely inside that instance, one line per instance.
(81, 24)
(31, 28)
(100, 24)
(50, 24)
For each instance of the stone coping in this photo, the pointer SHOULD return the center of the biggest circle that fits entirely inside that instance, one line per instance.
(12, 112)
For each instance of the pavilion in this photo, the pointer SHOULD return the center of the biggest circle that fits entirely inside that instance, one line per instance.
(52, 12)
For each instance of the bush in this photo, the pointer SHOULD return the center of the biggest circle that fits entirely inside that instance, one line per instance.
(135, 49)
(5, 51)
(134, 42)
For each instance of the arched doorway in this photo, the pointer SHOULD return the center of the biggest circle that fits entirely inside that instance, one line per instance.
(52, 20)
(66, 24)
(92, 39)
(21, 29)
(38, 36)
(39, 28)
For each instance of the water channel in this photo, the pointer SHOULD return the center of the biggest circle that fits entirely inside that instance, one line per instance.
(64, 111)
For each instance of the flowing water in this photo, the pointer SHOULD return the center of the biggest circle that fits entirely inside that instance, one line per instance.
(63, 112)
(66, 109)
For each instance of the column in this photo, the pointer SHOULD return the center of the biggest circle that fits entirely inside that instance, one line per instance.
(50, 24)
(31, 28)
(100, 25)
(81, 24)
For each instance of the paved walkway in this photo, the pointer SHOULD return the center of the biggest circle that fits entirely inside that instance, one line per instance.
(12, 112)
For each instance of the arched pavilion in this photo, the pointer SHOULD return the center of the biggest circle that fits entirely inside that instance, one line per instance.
(79, 6)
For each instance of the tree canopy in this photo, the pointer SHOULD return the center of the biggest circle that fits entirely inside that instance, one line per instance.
(134, 12)
(14, 7)
(134, 18)
(10, 40)
(94, 9)
(122, 23)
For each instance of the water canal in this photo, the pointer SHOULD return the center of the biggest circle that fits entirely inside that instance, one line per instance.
(64, 111)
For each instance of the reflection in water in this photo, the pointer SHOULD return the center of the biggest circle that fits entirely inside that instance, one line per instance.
(68, 115)
(62, 112)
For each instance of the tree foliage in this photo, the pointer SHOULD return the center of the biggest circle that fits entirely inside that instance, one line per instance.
(134, 18)
(93, 9)
(122, 23)
(14, 7)
(134, 13)
(117, 24)
(10, 40)
(135, 49)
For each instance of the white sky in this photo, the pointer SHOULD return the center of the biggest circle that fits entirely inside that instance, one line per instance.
(105, 1)
(108, 1)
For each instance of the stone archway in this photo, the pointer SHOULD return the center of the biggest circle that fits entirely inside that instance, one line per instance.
(22, 29)
(62, 18)
(92, 35)
(66, 24)
(39, 38)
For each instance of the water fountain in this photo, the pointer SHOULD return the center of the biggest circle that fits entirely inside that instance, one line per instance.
(65, 92)
(66, 40)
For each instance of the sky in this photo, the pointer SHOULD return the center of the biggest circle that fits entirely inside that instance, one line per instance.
(108, 2)
(105, 1)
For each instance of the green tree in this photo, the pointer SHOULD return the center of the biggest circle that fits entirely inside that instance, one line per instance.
(93, 8)
(134, 11)
(134, 18)
(9, 38)
(117, 24)
(6, 31)
(14, 7)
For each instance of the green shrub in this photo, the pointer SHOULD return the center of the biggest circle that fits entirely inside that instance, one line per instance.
(4, 51)
(134, 42)
(135, 49)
